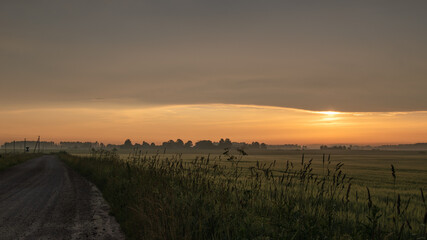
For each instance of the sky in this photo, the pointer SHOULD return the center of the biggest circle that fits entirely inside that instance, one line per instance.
(248, 70)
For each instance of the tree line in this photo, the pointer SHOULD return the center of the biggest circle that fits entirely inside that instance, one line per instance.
(171, 144)
(202, 144)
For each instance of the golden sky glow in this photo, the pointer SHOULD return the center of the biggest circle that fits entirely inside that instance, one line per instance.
(248, 123)
(160, 70)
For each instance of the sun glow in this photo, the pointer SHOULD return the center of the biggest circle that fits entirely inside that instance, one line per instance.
(329, 113)
(272, 125)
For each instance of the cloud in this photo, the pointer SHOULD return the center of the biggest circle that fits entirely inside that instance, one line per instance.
(334, 56)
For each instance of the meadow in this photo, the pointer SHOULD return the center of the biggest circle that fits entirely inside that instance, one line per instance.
(263, 195)
(10, 159)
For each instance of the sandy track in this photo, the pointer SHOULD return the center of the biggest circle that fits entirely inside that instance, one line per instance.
(44, 199)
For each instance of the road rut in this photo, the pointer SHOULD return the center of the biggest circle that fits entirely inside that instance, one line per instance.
(45, 199)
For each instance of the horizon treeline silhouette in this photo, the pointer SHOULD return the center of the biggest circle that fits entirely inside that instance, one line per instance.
(171, 144)
(202, 144)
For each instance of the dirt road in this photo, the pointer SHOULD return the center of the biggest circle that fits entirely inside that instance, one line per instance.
(44, 199)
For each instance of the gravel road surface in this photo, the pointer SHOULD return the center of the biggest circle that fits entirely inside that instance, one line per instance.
(44, 199)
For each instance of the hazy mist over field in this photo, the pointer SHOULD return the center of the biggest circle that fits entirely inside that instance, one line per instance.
(107, 70)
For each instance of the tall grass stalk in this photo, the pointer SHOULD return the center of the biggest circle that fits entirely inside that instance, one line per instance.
(160, 197)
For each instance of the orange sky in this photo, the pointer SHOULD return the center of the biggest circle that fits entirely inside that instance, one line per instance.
(159, 70)
(248, 123)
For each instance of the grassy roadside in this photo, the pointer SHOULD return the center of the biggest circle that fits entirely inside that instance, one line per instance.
(155, 198)
(10, 159)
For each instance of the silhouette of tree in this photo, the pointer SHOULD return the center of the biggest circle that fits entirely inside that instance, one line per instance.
(168, 144)
(188, 144)
(255, 145)
(172, 144)
(179, 143)
(225, 143)
(204, 144)
(127, 144)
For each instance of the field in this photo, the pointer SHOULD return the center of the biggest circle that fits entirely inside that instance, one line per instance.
(10, 159)
(263, 195)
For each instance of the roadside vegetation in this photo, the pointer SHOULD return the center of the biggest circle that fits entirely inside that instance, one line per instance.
(223, 197)
(10, 159)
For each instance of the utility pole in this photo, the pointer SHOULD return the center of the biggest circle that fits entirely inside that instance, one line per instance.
(14, 146)
(37, 145)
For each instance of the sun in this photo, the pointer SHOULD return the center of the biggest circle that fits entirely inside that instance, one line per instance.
(330, 117)
(329, 113)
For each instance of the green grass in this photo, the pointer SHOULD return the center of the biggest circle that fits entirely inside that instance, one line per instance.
(262, 196)
(10, 159)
